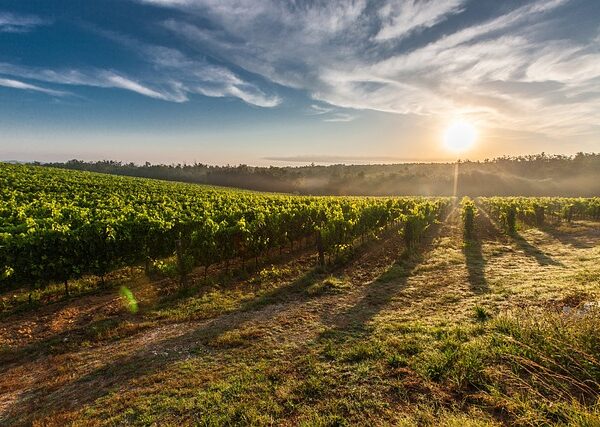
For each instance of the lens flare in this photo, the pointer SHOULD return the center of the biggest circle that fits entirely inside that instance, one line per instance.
(128, 299)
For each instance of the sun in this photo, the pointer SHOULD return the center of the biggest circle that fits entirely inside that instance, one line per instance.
(460, 136)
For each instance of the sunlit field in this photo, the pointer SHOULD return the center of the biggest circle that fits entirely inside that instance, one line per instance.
(387, 311)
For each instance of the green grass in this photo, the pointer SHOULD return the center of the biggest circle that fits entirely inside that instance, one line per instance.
(25, 299)
(480, 313)
(330, 285)
(347, 379)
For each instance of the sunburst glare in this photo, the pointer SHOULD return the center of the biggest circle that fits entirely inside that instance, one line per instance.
(460, 136)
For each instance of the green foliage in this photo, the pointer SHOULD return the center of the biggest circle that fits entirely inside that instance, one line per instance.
(165, 268)
(468, 212)
(56, 225)
(418, 219)
(537, 210)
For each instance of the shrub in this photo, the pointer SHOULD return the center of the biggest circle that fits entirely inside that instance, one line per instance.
(468, 212)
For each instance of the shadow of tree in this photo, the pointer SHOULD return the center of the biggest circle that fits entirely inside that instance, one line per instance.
(147, 359)
(69, 340)
(485, 230)
(475, 265)
(534, 252)
(528, 249)
(157, 355)
(382, 290)
(590, 239)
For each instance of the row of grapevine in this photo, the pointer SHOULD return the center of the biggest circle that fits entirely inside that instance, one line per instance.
(535, 210)
(538, 210)
(468, 212)
(57, 225)
(503, 210)
(418, 219)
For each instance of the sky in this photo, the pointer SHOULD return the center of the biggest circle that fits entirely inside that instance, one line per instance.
(280, 82)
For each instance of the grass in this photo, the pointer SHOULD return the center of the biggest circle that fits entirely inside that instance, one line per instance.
(23, 299)
(330, 285)
(367, 376)
(380, 340)
(480, 313)
(237, 338)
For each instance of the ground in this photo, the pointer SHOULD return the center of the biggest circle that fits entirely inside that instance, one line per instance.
(382, 338)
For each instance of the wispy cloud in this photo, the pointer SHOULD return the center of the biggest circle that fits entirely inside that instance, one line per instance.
(174, 77)
(14, 23)
(344, 55)
(330, 114)
(91, 77)
(16, 84)
(340, 117)
(192, 75)
(205, 80)
(319, 109)
(400, 19)
(115, 80)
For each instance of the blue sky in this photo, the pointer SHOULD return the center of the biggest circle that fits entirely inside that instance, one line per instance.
(280, 82)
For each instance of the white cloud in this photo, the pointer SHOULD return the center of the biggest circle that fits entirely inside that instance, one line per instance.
(13, 23)
(253, 96)
(174, 77)
(16, 84)
(330, 114)
(250, 95)
(190, 75)
(568, 64)
(114, 80)
(319, 109)
(341, 55)
(93, 78)
(403, 18)
(340, 117)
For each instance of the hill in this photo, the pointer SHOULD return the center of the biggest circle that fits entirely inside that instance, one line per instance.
(537, 175)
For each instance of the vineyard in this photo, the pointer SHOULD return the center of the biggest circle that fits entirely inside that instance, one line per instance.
(179, 304)
(539, 210)
(58, 225)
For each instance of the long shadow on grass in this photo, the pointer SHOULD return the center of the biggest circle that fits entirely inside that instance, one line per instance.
(532, 251)
(475, 265)
(152, 357)
(380, 292)
(527, 248)
(147, 359)
(72, 339)
(485, 229)
(590, 239)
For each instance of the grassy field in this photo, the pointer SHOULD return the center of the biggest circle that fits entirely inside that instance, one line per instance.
(491, 331)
